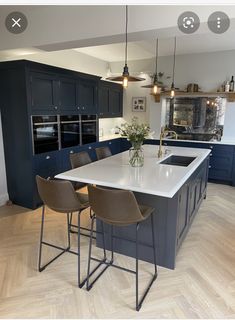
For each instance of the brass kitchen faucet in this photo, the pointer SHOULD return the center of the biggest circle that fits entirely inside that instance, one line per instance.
(162, 136)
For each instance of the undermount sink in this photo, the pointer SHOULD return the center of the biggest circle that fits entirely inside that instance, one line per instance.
(178, 161)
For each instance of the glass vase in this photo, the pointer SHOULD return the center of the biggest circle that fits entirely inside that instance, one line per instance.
(136, 156)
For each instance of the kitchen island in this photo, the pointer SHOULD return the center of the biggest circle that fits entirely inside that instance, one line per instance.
(174, 191)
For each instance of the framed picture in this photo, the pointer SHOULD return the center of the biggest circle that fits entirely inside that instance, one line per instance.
(139, 104)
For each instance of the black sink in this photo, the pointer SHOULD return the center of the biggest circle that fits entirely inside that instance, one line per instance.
(178, 161)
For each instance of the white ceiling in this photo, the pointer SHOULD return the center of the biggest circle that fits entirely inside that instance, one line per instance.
(188, 44)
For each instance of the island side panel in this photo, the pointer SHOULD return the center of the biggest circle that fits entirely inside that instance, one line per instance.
(172, 219)
(165, 221)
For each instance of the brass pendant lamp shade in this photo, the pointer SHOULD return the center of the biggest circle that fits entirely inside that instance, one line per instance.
(155, 84)
(125, 77)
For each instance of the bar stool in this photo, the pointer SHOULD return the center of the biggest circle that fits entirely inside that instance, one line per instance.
(103, 152)
(119, 208)
(60, 196)
(78, 160)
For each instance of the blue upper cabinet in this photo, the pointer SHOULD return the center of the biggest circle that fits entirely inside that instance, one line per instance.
(68, 99)
(110, 100)
(87, 96)
(52, 90)
(43, 92)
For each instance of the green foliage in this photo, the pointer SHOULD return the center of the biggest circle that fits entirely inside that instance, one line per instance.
(135, 132)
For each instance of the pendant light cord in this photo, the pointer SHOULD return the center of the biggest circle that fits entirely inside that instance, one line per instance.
(126, 34)
(173, 74)
(156, 57)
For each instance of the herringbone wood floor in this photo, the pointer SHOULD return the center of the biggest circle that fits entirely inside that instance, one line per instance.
(201, 286)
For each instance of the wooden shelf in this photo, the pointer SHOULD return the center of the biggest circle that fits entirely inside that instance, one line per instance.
(230, 96)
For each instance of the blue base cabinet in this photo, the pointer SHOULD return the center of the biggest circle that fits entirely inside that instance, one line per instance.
(222, 159)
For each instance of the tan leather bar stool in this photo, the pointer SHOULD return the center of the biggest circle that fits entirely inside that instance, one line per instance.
(119, 208)
(78, 160)
(60, 196)
(103, 152)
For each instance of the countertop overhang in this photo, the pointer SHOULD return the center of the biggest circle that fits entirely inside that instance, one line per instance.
(153, 178)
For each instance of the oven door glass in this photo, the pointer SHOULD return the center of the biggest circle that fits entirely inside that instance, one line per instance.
(89, 132)
(46, 137)
(70, 134)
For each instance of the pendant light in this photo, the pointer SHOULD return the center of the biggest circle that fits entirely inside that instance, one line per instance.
(155, 85)
(125, 77)
(173, 73)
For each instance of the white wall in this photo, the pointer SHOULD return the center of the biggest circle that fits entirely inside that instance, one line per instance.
(209, 70)
(3, 183)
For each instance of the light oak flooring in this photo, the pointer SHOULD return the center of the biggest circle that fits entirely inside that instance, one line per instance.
(201, 286)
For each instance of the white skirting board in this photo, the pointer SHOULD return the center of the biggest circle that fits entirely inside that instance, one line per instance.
(3, 199)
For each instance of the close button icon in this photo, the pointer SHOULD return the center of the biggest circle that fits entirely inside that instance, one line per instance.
(16, 22)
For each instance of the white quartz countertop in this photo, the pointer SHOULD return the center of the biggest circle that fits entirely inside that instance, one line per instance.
(153, 178)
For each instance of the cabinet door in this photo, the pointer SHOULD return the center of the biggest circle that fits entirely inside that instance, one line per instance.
(87, 97)
(43, 92)
(45, 165)
(48, 164)
(182, 211)
(115, 102)
(68, 95)
(221, 163)
(192, 199)
(103, 101)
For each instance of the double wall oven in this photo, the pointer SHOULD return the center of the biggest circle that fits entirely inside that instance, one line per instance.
(52, 133)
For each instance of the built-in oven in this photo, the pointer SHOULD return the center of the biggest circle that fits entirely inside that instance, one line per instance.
(70, 131)
(45, 130)
(89, 125)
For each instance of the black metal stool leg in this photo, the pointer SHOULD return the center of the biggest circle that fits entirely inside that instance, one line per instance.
(139, 303)
(154, 247)
(41, 268)
(68, 229)
(111, 245)
(41, 238)
(79, 250)
(89, 254)
(137, 269)
(103, 237)
(71, 223)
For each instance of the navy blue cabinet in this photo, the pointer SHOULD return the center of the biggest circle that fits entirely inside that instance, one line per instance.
(190, 197)
(27, 89)
(47, 164)
(222, 158)
(110, 100)
(87, 97)
(68, 99)
(43, 92)
(182, 211)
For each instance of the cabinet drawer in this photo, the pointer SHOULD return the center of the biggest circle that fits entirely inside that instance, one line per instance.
(47, 165)
(219, 150)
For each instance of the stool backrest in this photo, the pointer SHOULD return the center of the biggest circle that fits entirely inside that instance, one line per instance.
(79, 159)
(58, 195)
(117, 207)
(103, 152)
